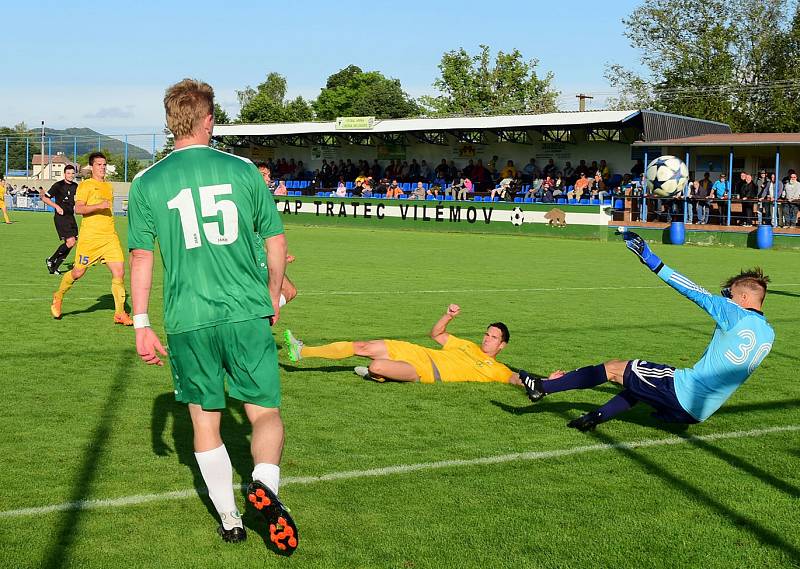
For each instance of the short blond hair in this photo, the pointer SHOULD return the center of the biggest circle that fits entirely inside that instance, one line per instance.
(187, 103)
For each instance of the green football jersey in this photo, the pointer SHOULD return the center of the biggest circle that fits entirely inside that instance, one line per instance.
(209, 211)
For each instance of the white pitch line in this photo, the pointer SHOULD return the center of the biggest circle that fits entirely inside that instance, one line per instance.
(429, 291)
(402, 469)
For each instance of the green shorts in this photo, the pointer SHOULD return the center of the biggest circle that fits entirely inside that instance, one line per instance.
(245, 352)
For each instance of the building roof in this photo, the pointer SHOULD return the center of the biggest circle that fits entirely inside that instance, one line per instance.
(730, 139)
(551, 120)
(51, 159)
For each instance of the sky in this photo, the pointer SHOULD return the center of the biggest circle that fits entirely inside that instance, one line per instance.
(105, 65)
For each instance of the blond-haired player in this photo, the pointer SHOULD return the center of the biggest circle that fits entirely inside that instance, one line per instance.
(99, 240)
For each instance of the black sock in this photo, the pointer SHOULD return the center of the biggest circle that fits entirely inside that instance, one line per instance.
(59, 255)
(581, 378)
(620, 403)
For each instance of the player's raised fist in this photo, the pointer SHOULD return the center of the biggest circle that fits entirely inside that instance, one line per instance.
(453, 310)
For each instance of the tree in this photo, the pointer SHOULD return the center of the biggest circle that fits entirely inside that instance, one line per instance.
(220, 116)
(118, 161)
(470, 85)
(714, 59)
(353, 92)
(266, 103)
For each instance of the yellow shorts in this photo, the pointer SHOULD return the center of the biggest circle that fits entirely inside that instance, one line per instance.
(91, 250)
(413, 354)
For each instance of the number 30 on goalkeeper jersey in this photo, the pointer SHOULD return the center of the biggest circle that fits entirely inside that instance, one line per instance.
(207, 209)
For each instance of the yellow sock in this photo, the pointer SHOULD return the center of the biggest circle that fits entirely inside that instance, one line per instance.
(118, 290)
(5, 215)
(335, 351)
(66, 284)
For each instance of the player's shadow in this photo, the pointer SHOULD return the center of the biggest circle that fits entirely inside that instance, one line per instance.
(171, 433)
(783, 293)
(330, 369)
(697, 495)
(104, 302)
(67, 532)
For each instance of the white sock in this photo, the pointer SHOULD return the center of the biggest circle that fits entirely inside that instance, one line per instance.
(215, 466)
(268, 474)
(282, 302)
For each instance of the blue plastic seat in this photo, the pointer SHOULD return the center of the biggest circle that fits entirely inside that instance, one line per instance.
(619, 204)
(518, 200)
(403, 197)
(584, 201)
(429, 198)
(572, 201)
(450, 199)
(561, 201)
(593, 201)
(528, 200)
(348, 185)
(477, 199)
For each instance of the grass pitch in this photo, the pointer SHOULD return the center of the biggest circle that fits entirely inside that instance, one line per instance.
(400, 475)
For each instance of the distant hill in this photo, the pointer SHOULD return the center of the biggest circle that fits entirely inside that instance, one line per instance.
(87, 142)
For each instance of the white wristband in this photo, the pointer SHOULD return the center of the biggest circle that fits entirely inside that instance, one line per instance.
(141, 321)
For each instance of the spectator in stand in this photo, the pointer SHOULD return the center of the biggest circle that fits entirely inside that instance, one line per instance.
(568, 174)
(375, 170)
(350, 170)
(550, 168)
(491, 167)
(791, 193)
(466, 171)
(394, 191)
(776, 191)
(404, 170)
(361, 177)
(558, 186)
(593, 170)
(281, 189)
(582, 184)
(706, 183)
(719, 192)
(509, 171)
(463, 193)
(545, 190)
(301, 173)
(441, 173)
(700, 195)
(341, 190)
(637, 169)
(425, 171)
(452, 172)
(503, 189)
(414, 170)
(582, 169)
(605, 171)
(453, 190)
(764, 196)
(749, 193)
(366, 188)
(419, 192)
(480, 176)
(531, 171)
(599, 188)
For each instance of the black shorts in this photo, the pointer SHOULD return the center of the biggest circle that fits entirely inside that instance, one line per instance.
(655, 385)
(66, 226)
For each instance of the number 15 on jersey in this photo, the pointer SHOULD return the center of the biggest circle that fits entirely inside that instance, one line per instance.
(216, 232)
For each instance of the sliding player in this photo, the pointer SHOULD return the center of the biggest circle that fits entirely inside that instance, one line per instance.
(458, 360)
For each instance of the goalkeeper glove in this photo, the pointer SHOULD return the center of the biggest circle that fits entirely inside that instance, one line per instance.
(640, 248)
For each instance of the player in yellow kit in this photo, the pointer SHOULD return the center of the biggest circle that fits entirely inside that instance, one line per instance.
(458, 360)
(98, 239)
(3, 198)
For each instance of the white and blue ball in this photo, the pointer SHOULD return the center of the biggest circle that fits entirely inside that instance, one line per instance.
(667, 176)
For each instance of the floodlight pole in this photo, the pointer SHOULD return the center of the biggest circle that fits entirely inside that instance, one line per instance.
(41, 161)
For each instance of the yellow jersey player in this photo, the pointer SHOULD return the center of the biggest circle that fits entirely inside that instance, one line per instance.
(98, 239)
(3, 198)
(458, 360)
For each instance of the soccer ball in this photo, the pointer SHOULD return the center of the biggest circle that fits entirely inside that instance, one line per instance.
(667, 176)
(517, 216)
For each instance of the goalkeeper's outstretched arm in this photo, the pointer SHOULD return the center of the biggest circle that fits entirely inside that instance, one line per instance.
(716, 306)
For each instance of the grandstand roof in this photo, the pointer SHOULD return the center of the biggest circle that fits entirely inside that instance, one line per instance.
(432, 124)
(731, 139)
(544, 120)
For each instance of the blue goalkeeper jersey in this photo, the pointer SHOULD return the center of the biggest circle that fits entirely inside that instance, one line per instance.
(741, 341)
